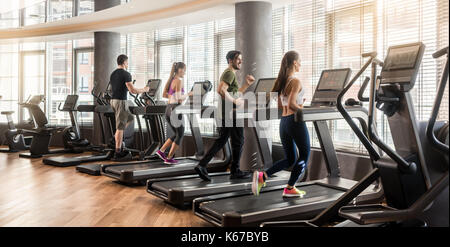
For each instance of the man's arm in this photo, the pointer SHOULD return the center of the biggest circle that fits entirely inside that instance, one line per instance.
(223, 91)
(248, 82)
(135, 90)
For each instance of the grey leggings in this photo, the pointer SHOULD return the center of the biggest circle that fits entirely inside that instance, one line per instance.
(178, 131)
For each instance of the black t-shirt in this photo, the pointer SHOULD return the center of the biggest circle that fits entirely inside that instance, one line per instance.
(118, 80)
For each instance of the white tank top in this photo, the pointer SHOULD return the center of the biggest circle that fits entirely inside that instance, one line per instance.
(284, 98)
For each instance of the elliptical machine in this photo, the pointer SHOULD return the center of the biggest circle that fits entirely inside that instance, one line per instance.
(16, 141)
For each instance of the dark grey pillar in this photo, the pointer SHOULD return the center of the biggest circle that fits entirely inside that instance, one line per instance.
(106, 50)
(254, 40)
(104, 4)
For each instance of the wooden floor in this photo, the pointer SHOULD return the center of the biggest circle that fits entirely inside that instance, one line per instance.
(34, 194)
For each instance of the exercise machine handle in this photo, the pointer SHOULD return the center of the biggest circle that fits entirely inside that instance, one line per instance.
(362, 89)
(441, 52)
(362, 137)
(437, 103)
(372, 54)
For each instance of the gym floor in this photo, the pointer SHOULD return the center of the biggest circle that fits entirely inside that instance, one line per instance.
(34, 194)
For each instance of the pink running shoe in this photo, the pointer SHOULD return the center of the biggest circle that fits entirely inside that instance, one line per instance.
(294, 192)
(170, 161)
(258, 182)
(161, 155)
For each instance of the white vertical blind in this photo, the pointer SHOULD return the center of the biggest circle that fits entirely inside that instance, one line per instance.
(442, 41)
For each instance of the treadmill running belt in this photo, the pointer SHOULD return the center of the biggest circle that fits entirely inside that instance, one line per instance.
(153, 166)
(197, 183)
(270, 200)
(73, 161)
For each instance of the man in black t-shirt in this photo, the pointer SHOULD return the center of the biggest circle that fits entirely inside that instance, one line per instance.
(121, 83)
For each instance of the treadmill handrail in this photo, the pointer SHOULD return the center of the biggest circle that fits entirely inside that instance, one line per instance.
(362, 137)
(437, 104)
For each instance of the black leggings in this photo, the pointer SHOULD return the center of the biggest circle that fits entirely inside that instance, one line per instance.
(175, 123)
(294, 135)
(237, 141)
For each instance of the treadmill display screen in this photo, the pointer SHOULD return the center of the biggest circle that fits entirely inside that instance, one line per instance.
(153, 84)
(333, 79)
(198, 88)
(401, 57)
(264, 86)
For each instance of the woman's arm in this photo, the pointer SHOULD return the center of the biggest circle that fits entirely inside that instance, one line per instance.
(292, 100)
(177, 88)
(279, 102)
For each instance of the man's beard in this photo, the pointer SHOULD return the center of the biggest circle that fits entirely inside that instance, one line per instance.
(235, 66)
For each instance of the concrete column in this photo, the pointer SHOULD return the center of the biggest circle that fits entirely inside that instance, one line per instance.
(106, 50)
(105, 4)
(254, 40)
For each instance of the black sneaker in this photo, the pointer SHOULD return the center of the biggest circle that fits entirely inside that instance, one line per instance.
(202, 172)
(122, 156)
(240, 175)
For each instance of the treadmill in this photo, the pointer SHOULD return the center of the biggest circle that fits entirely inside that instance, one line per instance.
(106, 153)
(242, 208)
(146, 100)
(139, 172)
(181, 191)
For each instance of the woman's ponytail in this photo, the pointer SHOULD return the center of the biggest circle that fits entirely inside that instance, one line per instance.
(171, 76)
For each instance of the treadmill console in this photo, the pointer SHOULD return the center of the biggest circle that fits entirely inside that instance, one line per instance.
(401, 65)
(153, 85)
(263, 88)
(35, 99)
(331, 83)
(70, 103)
(201, 89)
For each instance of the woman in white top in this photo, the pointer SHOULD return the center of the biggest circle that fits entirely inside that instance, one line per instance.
(294, 135)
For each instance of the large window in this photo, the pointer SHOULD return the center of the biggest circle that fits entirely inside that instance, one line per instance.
(60, 9)
(34, 14)
(59, 56)
(85, 6)
(9, 79)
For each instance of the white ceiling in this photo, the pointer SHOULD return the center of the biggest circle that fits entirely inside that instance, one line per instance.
(136, 16)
